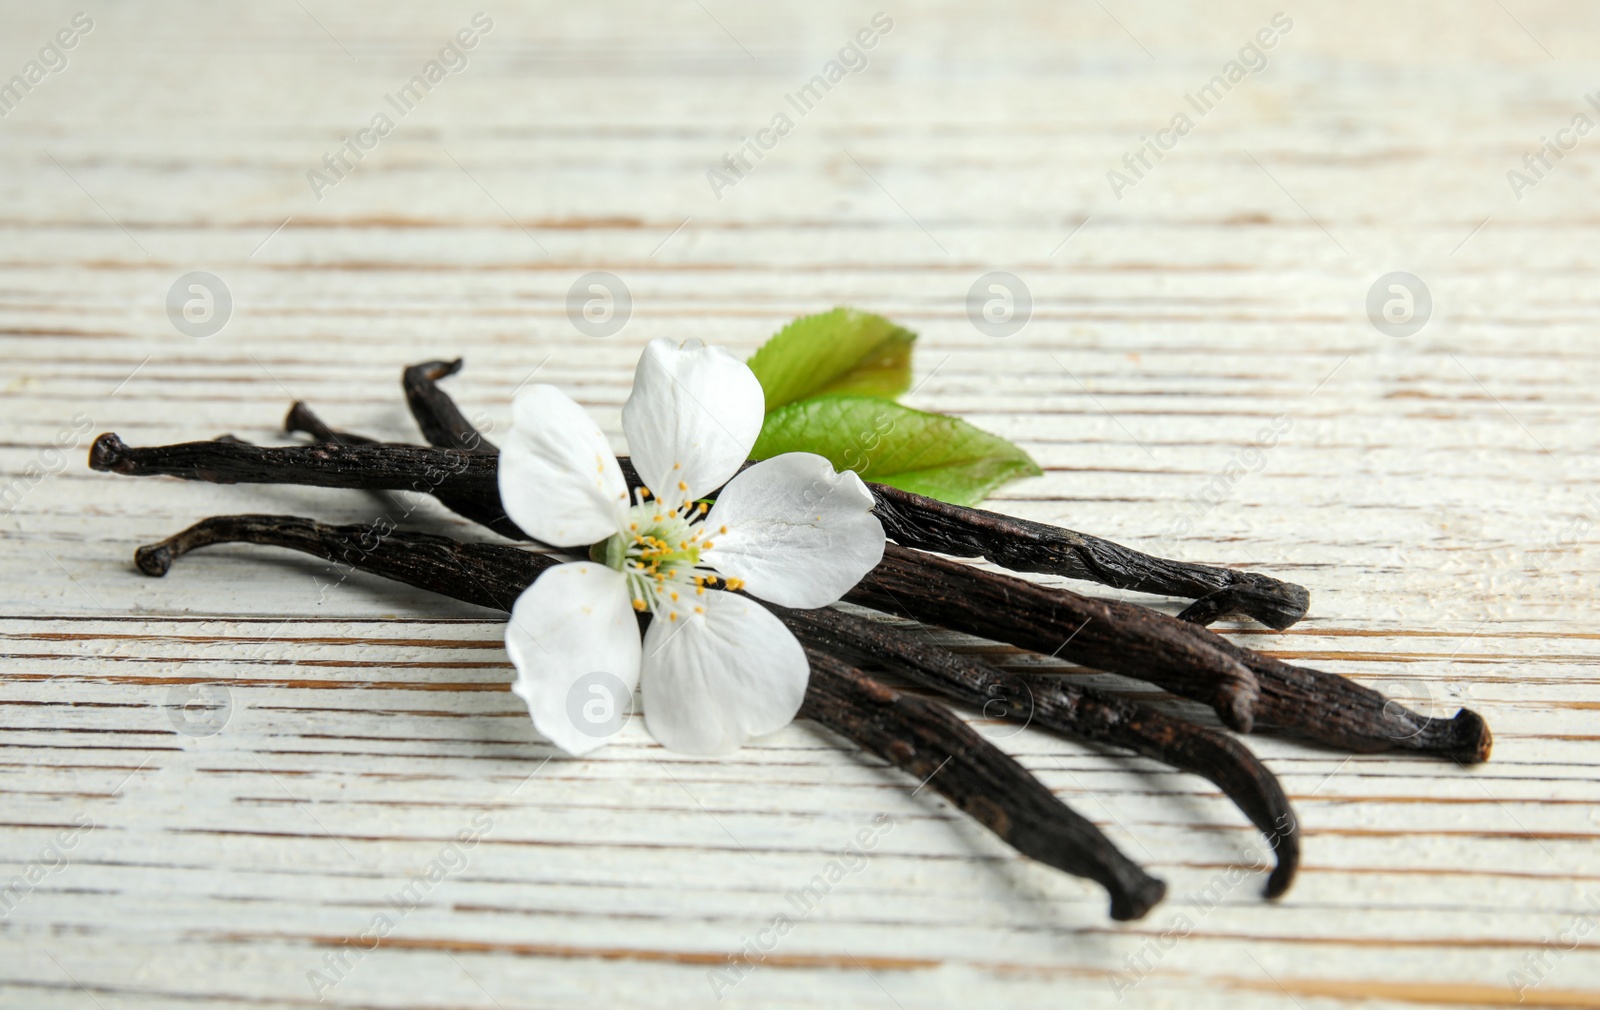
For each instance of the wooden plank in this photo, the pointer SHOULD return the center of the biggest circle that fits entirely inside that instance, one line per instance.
(1436, 492)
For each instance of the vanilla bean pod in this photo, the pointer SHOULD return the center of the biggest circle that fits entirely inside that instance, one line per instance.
(384, 466)
(1117, 637)
(917, 736)
(1021, 545)
(1103, 634)
(933, 744)
(490, 575)
(303, 419)
(435, 411)
(914, 520)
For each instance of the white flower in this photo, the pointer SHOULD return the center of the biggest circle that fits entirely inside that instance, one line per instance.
(716, 666)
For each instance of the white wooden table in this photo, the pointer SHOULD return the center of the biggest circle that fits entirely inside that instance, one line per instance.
(1437, 492)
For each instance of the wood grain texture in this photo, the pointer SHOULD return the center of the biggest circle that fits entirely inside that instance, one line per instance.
(1439, 494)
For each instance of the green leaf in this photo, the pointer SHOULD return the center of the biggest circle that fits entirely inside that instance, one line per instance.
(932, 454)
(842, 351)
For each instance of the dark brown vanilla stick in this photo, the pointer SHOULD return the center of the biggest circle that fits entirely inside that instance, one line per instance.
(1183, 657)
(1051, 703)
(932, 744)
(490, 575)
(915, 735)
(914, 520)
(303, 419)
(384, 466)
(436, 413)
(1104, 634)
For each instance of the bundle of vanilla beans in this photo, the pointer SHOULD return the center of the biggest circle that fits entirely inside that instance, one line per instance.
(1248, 691)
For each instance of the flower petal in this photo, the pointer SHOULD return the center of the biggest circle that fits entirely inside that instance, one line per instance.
(574, 640)
(559, 479)
(712, 680)
(692, 418)
(797, 532)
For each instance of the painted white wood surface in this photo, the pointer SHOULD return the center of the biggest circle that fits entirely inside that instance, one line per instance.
(1437, 493)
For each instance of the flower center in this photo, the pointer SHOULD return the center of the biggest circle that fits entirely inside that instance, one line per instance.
(659, 551)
